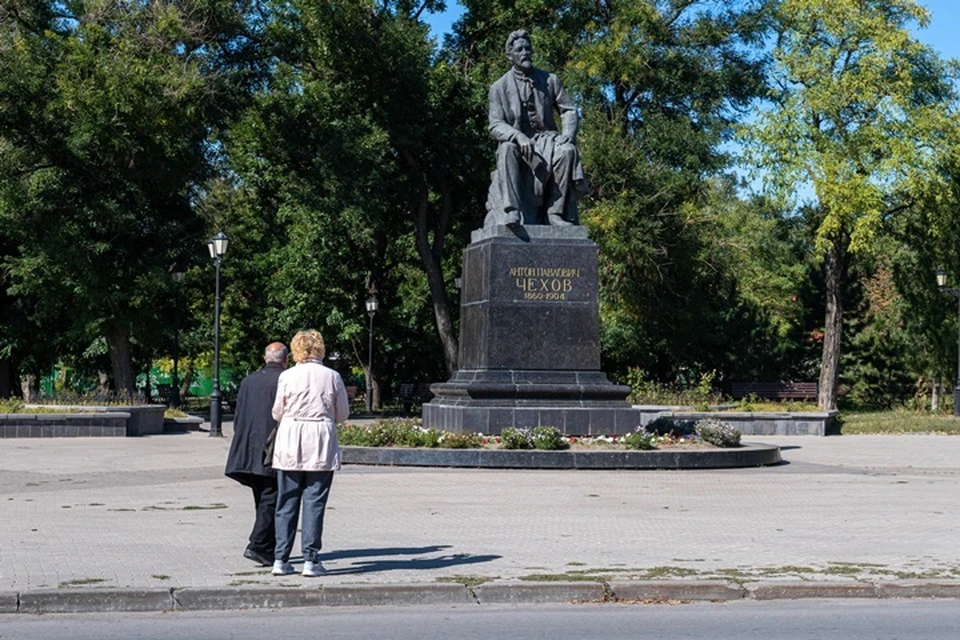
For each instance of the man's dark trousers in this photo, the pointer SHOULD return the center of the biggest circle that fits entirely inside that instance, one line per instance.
(263, 538)
(252, 424)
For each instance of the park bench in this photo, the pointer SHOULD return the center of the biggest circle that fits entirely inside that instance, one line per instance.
(410, 394)
(776, 390)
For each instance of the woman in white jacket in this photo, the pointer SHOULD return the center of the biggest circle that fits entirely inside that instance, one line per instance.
(311, 401)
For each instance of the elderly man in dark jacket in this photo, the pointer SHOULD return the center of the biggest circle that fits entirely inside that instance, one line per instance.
(252, 424)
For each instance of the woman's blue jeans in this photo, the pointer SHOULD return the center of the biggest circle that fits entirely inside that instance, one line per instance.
(312, 488)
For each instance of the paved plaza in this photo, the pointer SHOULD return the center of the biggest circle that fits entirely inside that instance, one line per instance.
(157, 512)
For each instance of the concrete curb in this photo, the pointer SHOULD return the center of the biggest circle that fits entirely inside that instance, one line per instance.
(9, 601)
(198, 599)
(540, 592)
(94, 600)
(748, 455)
(798, 590)
(634, 591)
(101, 600)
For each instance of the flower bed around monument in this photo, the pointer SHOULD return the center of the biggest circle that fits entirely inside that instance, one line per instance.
(404, 442)
(409, 433)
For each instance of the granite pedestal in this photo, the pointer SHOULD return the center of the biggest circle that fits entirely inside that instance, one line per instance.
(530, 339)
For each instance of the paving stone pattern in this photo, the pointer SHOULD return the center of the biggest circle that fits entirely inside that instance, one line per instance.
(156, 513)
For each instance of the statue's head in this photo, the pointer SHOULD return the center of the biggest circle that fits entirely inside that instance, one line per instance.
(519, 50)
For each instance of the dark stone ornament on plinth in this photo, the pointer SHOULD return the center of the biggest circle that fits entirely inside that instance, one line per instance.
(530, 339)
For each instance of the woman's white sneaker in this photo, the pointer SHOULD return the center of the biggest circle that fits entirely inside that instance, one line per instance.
(313, 569)
(281, 568)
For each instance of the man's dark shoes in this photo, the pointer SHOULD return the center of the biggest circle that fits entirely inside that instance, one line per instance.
(257, 557)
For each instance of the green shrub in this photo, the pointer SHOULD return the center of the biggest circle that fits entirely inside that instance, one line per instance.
(353, 435)
(511, 438)
(11, 405)
(389, 432)
(93, 398)
(548, 439)
(431, 438)
(748, 403)
(460, 440)
(720, 434)
(700, 393)
(639, 439)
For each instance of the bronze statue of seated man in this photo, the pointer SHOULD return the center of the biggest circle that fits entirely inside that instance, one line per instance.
(539, 177)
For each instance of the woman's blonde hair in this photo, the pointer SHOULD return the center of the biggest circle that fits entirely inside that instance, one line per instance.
(307, 344)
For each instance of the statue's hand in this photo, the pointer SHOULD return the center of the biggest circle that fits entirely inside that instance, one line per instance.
(526, 147)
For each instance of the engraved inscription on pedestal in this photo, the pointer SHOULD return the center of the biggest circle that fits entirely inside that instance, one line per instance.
(530, 305)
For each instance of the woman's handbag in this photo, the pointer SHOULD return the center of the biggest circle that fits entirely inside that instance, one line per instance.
(268, 448)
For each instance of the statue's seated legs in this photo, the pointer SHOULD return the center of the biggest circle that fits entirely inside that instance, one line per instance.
(521, 194)
(555, 199)
(514, 181)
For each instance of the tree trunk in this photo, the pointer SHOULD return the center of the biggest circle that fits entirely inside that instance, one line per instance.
(28, 383)
(118, 344)
(6, 379)
(147, 391)
(373, 388)
(103, 383)
(836, 275)
(935, 395)
(186, 379)
(430, 257)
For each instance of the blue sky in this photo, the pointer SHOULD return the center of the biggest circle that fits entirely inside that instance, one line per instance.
(943, 33)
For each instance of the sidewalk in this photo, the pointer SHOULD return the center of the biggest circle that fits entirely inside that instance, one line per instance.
(152, 523)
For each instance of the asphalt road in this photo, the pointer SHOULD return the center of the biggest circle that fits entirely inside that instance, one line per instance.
(746, 620)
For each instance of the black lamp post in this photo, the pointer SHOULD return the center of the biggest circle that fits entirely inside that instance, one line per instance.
(372, 306)
(177, 277)
(218, 247)
(954, 291)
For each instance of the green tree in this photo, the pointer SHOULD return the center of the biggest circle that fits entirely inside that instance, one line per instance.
(105, 111)
(927, 240)
(860, 110)
(356, 171)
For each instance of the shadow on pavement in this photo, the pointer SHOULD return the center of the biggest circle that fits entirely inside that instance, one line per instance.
(411, 564)
(390, 551)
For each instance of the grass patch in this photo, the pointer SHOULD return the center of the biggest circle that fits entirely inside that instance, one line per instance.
(570, 576)
(669, 572)
(753, 405)
(79, 582)
(890, 422)
(189, 507)
(160, 576)
(789, 569)
(930, 574)
(467, 581)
